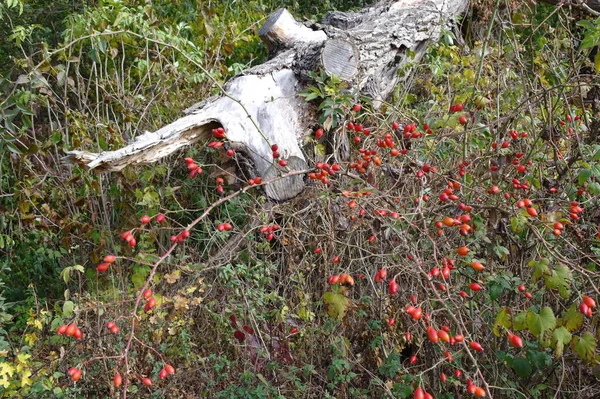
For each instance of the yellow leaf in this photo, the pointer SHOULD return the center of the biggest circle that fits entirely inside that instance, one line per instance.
(597, 61)
(171, 278)
(7, 370)
(25, 380)
(31, 338)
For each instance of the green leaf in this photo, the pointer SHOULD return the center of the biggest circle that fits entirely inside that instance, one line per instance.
(522, 367)
(585, 346)
(68, 307)
(594, 187)
(540, 268)
(597, 62)
(560, 279)
(572, 320)
(503, 319)
(391, 366)
(496, 291)
(538, 323)
(560, 337)
(336, 304)
(583, 177)
(520, 321)
(518, 223)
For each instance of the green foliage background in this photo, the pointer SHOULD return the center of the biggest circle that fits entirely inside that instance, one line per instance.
(92, 75)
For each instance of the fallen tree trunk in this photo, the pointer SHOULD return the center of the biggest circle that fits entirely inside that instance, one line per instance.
(260, 107)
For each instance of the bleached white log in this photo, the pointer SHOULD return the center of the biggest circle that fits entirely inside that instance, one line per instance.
(282, 31)
(376, 40)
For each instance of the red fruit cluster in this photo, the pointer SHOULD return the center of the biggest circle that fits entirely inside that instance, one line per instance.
(456, 107)
(108, 259)
(220, 182)
(380, 276)
(475, 390)
(224, 227)
(269, 230)
(129, 238)
(166, 371)
(368, 157)
(219, 133)
(586, 305)
(150, 304)
(575, 210)
(341, 279)
(323, 170)
(193, 167)
(181, 236)
(112, 327)
(256, 180)
(414, 312)
(448, 194)
(75, 373)
(70, 330)
(275, 150)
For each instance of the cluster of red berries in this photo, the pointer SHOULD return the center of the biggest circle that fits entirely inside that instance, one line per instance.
(256, 180)
(368, 157)
(528, 205)
(112, 327)
(75, 373)
(151, 301)
(341, 279)
(70, 330)
(181, 236)
(129, 238)
(220, 182)
(323, 170)
(276, 155)
(166, 371)
(193, 167)
(586, 305)
(448, 193)
(269, 230)
(575, 210)
(426, 168)
(224, 227)
(108, 259)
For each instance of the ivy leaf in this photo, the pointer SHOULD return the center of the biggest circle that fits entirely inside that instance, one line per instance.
(560, 337)
(538, 323)
(520, 321)
(503, 319)
(540, 268)
(560, 278)
(336, 304)
(572, 320)
(585, 346)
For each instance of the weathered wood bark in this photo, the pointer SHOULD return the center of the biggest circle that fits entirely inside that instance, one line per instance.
(261, 106)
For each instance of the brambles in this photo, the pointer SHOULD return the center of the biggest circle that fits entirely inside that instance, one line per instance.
(450, 211)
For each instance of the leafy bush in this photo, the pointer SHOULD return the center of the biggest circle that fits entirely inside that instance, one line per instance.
(457, 243)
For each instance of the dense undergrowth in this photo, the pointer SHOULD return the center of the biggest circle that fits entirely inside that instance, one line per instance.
(475, 190)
